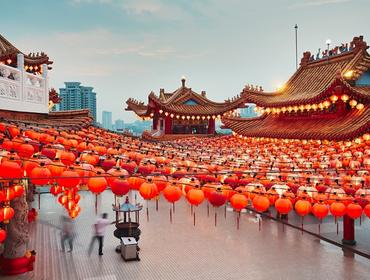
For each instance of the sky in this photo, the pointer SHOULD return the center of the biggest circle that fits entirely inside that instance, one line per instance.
(127, 48)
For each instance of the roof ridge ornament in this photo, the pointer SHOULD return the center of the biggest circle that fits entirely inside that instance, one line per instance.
(183, 80)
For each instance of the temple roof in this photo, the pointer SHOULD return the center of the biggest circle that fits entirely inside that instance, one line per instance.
(9, 51)
(67, 119)
(343, 127)
(313, 79)
(183, 101)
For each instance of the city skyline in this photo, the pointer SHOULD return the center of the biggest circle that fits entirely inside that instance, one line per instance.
(219, 46)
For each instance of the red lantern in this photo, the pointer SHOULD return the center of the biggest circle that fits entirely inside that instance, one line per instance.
(7, 214)
(320, 210)
(67, 157)
(283, 205)
(2, 235)
(303, 207)
(367, 210)
(195, 196)
(55, 190)
(69, 179)
(18, 190)
(120, 186)
(40, 175)
(354, 210)
(10, 169)
(172, 193)
(148, 190)
(114, 173)
(217, 198)
(161, 182)
(26, 150)
(261, 203)
(97, 184)
(9, 193)
(135, 182)
(337, 209)
(63, 199)
(238, 201)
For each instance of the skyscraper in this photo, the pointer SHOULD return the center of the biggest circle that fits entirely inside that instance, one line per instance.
(119, 125)
(75, 97)
(107, 120)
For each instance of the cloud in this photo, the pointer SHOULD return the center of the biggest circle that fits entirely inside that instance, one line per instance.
(316, 3)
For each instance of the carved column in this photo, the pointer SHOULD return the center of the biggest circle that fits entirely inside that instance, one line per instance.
(17, 230)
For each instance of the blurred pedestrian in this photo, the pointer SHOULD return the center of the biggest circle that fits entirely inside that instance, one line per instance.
(100, 228)
(67, 233)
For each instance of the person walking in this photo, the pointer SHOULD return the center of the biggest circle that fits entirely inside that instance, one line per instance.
(67, 233)
(100, 228)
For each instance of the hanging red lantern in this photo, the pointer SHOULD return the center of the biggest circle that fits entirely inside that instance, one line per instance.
(56, 168)
(320, 210)
(261, 203)
(129, 166)
(195, 196)
(161, 182)
(29, 165)
(97, 184)
(10, 169)
(76, 198)
(283, 205)
(9, 193)
(40, 175)
(338, 209)
(135, 182)
(55, 190)
(354, 210)
(115, 173)
(172, 193)
(67, 158)
(217, 198)
(70, 205)
(26, 150)
(63, 199)
(69, 179)
(7, 214)
(18, 190)
(148, 190)
(367, 210)
(238, 201)
(120, 186)
(2, 235)
(7, 145)
(303, 207)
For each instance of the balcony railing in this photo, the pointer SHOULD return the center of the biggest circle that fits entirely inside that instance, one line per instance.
(22, 91)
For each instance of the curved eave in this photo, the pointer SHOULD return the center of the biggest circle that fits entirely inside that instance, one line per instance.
(352, 125)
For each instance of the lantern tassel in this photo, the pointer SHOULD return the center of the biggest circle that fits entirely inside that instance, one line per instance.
(156, 203)
(237, 221)
(319, 226)
(191, 210)
(96, 204)
(302, 225)
(194, 217)
(39, 198)
(259, 224)
(225, 211)
(207, 209)
(173, 206)
(170, 214)
(215, 218)
(147, 214)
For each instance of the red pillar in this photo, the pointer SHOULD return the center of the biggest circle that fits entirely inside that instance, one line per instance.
(168, 125)
(211, 126)
(155, 123)
(348, 231)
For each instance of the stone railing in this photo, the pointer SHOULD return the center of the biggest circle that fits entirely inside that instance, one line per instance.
(22, 91)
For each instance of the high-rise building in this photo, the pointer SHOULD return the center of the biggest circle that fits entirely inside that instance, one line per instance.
(75, 97)
(119, 125)
(249, 112)
(107, 120)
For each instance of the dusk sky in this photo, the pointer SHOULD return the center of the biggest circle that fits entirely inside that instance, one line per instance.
(126, 48)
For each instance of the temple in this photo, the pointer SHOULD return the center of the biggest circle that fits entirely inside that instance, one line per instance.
(327, 98)
(183, 111)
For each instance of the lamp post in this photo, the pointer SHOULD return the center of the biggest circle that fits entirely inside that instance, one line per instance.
(328, 42)
(296, 46)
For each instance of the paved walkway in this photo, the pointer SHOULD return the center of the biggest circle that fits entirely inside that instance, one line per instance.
(182, 251)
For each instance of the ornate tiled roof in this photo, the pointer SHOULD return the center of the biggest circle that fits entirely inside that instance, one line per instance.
(183, 101)
(70, 119)
(330, 127)
(314, 78)
(9, 51)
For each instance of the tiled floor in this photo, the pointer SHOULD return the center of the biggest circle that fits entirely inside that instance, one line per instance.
(182, 251)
